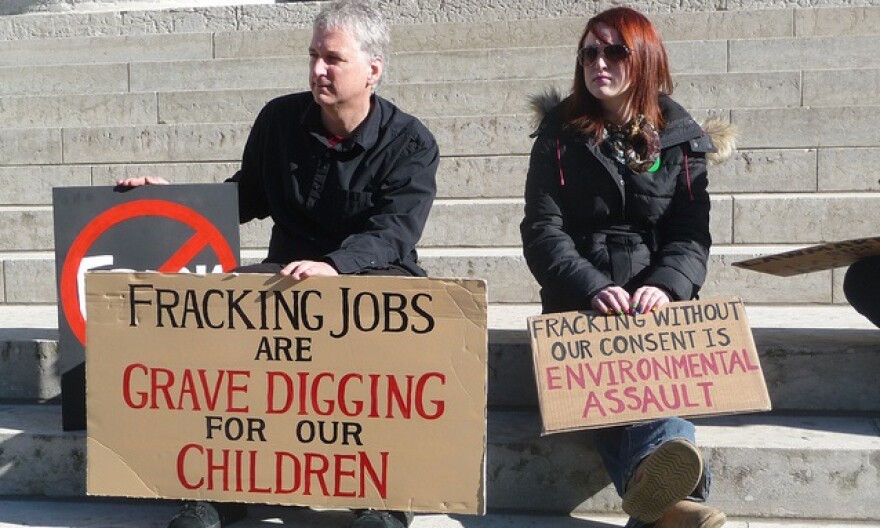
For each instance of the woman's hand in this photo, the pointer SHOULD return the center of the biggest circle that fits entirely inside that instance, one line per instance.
(648, 298)
(611, 300)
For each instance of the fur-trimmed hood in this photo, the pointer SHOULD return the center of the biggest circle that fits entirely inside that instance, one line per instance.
(546, 110)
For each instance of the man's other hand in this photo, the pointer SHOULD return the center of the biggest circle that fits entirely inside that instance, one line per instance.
(300, 269)
(143, 180)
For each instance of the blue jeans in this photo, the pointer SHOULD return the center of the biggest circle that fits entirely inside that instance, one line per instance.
(622, 448)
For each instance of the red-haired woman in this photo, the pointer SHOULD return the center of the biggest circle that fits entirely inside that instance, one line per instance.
(617, 220)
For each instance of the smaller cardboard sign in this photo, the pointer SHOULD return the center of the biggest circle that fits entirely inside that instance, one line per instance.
(694, 358)
(343, 392)
(814, 258)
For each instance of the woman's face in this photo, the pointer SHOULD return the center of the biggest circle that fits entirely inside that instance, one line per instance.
(607, 79)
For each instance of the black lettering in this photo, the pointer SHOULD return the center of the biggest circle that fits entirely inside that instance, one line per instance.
(345, 315)
(191, 307)
(394, 305)
(133, 301)
(429, 319)
(234, 306)
(166, 306)
(358, 312)
(206, 312)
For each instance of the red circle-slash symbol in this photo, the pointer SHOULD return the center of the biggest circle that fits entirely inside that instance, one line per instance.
(206, 234)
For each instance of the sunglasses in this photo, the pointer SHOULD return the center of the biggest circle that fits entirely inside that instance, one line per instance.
(612, 52)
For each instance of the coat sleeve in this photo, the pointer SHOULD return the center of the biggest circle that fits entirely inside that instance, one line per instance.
(252, 200)
(400, 211)
(549, 250)
(683, 253)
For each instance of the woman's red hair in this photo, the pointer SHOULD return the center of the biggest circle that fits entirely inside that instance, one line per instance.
(647, 67)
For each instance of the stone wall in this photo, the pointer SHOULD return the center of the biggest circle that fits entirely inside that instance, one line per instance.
(54, 18)
(17, 7)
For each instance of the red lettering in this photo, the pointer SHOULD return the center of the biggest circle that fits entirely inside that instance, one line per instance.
(182, 392)
(394, 394)
(316, 387)
(340, 474)
(188, 388)
(222, 466)
(553, 378)
(347, 475)
(161, 386)
(439, 405)
(253, 474)
(318, 472)
(380, 484)
(181, 462)
(296, 470)
(126, 387)
(706, 385)
(340, 396)
(272, 391)
(211, 396)
(235, 388)
(593, 403)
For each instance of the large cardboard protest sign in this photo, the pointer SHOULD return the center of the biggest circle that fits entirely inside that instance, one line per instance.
(332, 391)
(686, 359)
(814, 258)
(156, 227)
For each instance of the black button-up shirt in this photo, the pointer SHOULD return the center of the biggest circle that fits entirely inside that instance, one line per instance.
(358, 204)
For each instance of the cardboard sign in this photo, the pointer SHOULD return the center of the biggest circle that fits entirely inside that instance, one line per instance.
(814, 258)
(347, 392)
(687, 359)
(156, 227)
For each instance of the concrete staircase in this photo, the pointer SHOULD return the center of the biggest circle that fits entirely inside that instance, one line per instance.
(88, 98)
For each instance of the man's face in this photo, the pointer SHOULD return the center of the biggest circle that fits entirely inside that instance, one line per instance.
(340, 74)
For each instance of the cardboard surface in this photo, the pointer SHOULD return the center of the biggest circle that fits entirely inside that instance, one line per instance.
(814, 258)
(339, 392)
(693, 358)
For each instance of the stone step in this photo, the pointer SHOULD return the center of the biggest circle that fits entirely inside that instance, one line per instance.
(96, 50)
(799, 467)
(29, 277)
(16, 7)
(792, 466)
(735, 219)
(770, 84)
(730, 91)
(103, 41)
(542, 32)
(497, 23)
(485, 177)
(485, 135)
(798, 345)
(136, 513)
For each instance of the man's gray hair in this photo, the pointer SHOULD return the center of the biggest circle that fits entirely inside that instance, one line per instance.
(365, 22)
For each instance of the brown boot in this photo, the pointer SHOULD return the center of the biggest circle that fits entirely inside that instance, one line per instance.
(662, 479)
(689, 514)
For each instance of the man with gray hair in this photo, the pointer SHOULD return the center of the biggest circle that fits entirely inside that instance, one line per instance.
(347, 178)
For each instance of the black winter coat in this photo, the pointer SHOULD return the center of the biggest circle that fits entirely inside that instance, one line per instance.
(591, 222)
(360, 204)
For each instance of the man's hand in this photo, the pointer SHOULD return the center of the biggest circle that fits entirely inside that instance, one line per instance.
(300, 269)
(143, 180)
